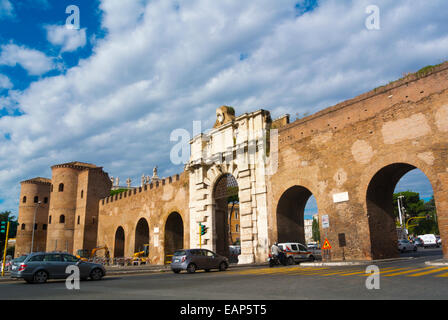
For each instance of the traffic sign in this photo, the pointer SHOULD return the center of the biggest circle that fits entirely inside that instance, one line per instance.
(325, 221)
(326, 245)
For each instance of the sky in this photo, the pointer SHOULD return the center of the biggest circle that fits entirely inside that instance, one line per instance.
(108, 86)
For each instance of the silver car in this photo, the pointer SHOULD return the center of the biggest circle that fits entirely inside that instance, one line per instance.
(38, 267)
(194, 259)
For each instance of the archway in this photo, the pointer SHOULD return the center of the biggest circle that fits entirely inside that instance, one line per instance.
(382, 209)
(226, 209)
(291, 214)
(141, 235)
(119, 243)
(174, 235)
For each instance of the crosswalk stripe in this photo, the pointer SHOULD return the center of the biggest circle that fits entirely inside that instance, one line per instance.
(364, 272)
(406, 272)
(383, 272)
(339, 272)
(427, 272)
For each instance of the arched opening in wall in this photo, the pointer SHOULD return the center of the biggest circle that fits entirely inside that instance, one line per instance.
(291, 215)
(174, 235)
(141, 236)
(119, 243)
(226, 217)
(399, 190)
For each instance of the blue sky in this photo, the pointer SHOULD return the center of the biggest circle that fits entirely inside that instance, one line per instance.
(111, 92)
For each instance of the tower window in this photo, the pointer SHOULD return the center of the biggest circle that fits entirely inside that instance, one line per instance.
(49, 220)
(82, 194)
(35, 226)
(61, 187)
(44, 226)
(24, 199)
(79, 218)
(62, 219)
(36, 199)
(23, 226)
(45, 200)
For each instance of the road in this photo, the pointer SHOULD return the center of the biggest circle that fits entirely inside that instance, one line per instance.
(403, 279)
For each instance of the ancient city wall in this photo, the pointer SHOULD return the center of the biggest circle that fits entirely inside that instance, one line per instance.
(338, 152)
(155, 203)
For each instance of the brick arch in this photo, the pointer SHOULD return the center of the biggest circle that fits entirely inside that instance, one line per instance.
(289, 212)
(141, 234)
(377, 195)
(173, 234)
(119, 242)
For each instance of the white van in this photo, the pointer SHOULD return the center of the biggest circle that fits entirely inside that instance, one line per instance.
(429, 240)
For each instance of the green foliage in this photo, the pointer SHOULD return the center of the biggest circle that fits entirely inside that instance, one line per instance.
(4, 216)
(416, 207)
(316, 231)
(117, 191)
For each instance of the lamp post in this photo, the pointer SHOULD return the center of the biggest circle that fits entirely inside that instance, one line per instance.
(34, 224)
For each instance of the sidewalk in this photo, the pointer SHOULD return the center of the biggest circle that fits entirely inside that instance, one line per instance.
(439, 262)
(143, 269)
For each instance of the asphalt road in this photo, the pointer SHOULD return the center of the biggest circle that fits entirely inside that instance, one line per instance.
(404, 279)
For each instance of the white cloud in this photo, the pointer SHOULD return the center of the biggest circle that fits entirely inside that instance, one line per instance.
(5, 83)
(161, 66)
(68, 39)
(6, 9)
(34, 61)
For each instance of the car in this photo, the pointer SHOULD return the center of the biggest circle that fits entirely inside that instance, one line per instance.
(439, 240)
(429, 240)
(406, 245)
(38, 267)
(195, 259)
(297, 252)
(418, 242)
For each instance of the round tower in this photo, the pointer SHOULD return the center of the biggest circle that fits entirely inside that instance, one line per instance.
(61, 216)
(33, 209)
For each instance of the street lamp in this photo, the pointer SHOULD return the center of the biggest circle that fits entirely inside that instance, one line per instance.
(34, 224)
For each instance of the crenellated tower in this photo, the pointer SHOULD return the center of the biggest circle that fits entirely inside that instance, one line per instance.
(33, 207)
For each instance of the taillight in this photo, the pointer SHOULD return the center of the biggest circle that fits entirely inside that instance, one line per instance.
(22, 267)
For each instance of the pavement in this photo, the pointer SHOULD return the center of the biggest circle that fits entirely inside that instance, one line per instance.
(399, 279)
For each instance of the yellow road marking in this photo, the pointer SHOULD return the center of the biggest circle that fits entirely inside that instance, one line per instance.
(408, 271)
(427, 272)
(388, 269)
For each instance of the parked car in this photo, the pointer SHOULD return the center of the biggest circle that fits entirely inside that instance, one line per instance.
(297, 252)
(429, 240)
(406, 245)
(417, 241)
(38, 267)
(194, 259)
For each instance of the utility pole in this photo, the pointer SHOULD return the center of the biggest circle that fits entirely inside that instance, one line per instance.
(4, 252)
(34, 224)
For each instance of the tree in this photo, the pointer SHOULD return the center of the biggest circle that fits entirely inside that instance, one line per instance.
(416, 207)
(316, 231)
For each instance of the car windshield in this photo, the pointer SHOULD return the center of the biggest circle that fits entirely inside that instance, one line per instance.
(180, 253)
(19, 259)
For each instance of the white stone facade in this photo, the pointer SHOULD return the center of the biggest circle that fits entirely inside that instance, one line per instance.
(238, 148)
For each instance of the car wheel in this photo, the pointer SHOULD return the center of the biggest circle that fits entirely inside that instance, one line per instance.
(312, 258)
(291, 261)
(222, 266)
(176, 270)
(40, 277)
(415, 248)
(96, 274)
(207, 270)
(191, 268)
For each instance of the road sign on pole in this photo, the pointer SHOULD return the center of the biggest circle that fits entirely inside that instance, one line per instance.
(325, 222)
(326, 245)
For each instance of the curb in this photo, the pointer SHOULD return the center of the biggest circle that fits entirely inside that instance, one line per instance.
(441, 262)
(351, 263)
